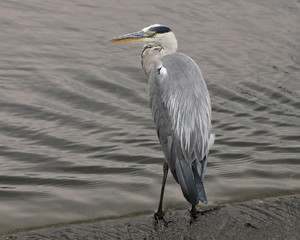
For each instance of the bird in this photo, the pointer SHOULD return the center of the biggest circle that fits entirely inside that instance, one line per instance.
(181, 109)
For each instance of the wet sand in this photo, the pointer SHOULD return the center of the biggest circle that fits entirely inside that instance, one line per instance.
(269, 218)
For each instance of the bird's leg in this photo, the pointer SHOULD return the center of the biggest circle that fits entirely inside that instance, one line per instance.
(159, 214)
(194, 212)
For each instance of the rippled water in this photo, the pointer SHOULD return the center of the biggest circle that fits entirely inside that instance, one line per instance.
(76, 134)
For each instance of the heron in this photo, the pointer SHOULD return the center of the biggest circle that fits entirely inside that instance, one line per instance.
(181, 109)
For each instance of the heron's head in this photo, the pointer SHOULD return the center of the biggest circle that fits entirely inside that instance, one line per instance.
(156, 35)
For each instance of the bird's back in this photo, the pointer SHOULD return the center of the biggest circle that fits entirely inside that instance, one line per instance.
(181, 108)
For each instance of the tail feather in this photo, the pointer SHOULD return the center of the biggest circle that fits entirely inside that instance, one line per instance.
(203, 168)
(200, 187)
(189, 175)
(186, 180)
(190, 181)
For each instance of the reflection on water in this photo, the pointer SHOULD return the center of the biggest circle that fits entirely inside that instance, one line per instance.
(76, 134)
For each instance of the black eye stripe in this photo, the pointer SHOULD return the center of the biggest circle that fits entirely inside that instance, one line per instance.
(160, 29)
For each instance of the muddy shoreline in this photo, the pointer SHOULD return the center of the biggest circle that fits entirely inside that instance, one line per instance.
(269, 218)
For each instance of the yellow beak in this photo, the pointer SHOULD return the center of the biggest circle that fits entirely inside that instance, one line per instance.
(131, 37)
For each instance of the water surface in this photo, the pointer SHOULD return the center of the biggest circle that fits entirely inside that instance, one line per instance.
(77, 139)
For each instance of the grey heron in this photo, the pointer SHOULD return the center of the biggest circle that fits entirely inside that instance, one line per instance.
(181, 108)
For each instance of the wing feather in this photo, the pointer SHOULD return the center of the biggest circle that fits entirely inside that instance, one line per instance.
(181, 108)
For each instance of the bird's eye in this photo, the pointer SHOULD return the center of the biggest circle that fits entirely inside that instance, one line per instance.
(154, 34)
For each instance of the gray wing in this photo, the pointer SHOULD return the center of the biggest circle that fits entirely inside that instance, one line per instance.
(181, 109)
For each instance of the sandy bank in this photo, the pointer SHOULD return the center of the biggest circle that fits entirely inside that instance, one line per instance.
(270, 218)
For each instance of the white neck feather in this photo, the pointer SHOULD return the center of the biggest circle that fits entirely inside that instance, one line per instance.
(156, 48)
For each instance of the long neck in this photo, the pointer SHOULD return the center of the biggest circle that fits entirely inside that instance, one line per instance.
(153, 52)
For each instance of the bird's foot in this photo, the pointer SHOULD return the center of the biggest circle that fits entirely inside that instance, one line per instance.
(159, 215)
(194, 212)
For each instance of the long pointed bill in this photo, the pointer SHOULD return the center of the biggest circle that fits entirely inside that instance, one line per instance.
(131, 37)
